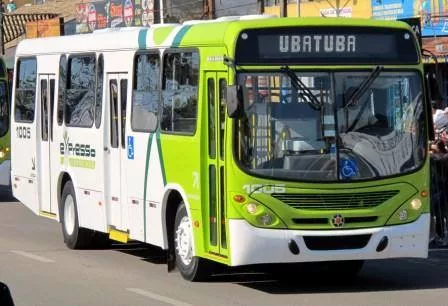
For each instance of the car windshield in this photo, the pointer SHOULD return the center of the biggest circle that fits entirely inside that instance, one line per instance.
(342, 126)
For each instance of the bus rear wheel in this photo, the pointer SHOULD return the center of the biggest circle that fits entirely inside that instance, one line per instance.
(74, 236)
(191, 268)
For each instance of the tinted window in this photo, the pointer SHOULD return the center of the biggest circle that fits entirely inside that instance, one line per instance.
(145, 98)
(62, 88)
(25, 90)
(4, 109)
(180, 92)
(123, 103)
(80, 102)
(99, 91)
(113, 91)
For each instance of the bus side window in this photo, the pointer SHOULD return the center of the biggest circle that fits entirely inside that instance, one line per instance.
(145, 92)
(25, 96)
(99, 91)
(62, 88)
(80, 101)
(180, 92)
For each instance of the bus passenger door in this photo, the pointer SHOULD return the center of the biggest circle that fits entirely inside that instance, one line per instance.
(216, 83)
(45, 135)
(115, 150)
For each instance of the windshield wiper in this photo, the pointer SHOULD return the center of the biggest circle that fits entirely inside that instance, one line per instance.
(364, 86)
(302, 90)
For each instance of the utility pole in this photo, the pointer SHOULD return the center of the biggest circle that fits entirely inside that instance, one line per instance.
(284, 8)
(162, 12)
(298, 8)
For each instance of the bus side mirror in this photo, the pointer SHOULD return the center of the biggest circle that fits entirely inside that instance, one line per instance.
(234, 101)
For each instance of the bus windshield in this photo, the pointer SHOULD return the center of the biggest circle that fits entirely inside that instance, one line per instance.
(366, 125)
(4, 109)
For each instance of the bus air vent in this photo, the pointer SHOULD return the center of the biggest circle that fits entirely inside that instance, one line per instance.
(327, 243)
(335, 201)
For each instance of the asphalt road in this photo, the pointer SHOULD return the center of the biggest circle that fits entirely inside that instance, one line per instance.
(40, 270)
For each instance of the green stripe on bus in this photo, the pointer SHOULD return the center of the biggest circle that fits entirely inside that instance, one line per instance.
(142, 38)
(180, 35)
(148, 153)
(162, 166)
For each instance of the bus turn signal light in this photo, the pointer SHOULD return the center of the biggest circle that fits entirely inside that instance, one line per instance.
(239, 198)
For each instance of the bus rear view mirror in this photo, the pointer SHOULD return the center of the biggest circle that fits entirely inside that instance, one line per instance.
(234, 101)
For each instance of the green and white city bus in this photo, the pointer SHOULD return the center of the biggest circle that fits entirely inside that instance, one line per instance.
(242, 140)
(5, 162)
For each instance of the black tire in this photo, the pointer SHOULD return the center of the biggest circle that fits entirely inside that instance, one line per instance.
(194, 268)
(77, 238)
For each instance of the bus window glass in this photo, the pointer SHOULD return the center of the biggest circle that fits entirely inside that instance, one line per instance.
(4, 109)
(99, 91)
(145, 98)
(52, 88)
(44, 109)
(80, 102)
(327, 131)
(25, 90)
(180, 92)
(113, 91)
(124, 98)
(62, 88)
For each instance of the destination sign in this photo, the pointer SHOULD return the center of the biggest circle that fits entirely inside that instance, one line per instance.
(325, 45)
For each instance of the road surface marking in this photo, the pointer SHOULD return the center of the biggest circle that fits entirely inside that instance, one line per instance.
(33, 256)
(157, 297)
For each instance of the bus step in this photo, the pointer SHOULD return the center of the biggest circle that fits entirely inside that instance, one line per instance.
(119, 236)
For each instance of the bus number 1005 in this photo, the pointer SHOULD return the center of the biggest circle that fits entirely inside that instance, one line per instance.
(23, 132)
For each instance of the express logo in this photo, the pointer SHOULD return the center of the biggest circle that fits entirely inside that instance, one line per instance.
(75, 149)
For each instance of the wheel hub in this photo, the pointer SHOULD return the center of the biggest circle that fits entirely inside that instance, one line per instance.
(69, 215)
(183, 241)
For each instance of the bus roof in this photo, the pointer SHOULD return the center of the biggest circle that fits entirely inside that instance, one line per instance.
(192, 33)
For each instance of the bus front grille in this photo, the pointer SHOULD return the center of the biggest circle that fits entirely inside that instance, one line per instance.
(335, 201)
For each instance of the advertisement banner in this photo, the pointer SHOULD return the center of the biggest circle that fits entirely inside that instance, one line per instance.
(147, 12)
(116, 13)
(433, 13)
(138, 13)
(113, 13)
(82, 17)
(128, 12)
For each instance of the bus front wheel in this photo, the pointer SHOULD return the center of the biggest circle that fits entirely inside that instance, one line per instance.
(191, 268)
(74, 236)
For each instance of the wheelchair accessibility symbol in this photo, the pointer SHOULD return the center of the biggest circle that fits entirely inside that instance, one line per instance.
(349, 168)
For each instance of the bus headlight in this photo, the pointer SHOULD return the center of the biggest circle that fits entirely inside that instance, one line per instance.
(408, 212)
(403, 215)
(258, 214)
(265, 219)
(416, 204)
(2, 154)
(251, 208)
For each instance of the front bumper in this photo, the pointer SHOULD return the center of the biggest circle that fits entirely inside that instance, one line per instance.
(252, 245)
